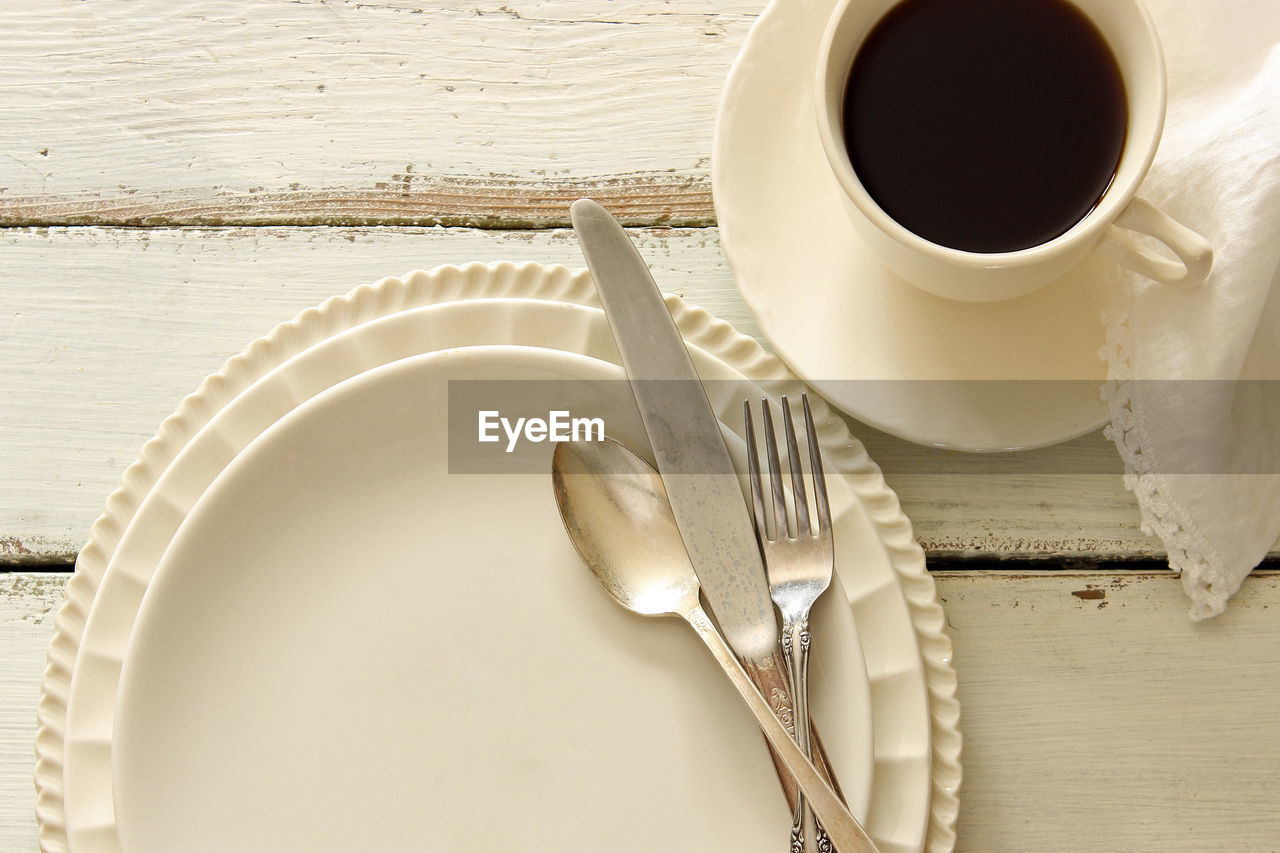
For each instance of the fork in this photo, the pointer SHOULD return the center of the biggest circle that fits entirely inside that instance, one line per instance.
(799, 566)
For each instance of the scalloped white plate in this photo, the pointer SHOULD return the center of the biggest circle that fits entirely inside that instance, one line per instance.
(113, 594)
(887, 353)
(349, 646)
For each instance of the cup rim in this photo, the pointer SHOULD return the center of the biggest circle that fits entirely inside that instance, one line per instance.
(1113, 199)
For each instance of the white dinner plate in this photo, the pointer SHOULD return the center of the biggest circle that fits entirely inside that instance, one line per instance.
(912, 683)
(891, 355)
(348, 648)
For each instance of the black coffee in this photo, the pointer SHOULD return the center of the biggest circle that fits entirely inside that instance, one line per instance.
(985, 125)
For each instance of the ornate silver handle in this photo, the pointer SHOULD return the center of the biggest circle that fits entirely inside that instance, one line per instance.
(842, 826)
(795, 650)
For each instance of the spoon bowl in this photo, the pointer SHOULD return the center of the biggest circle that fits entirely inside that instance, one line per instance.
(616, 511)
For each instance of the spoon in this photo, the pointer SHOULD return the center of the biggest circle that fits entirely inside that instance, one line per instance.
(615, 510)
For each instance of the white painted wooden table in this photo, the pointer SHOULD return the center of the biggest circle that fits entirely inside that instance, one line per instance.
(178, 177)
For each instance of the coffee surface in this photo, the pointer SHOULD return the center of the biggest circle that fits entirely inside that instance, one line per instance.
(985, 125)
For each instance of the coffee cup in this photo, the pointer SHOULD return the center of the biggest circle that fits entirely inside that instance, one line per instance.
(975, 266)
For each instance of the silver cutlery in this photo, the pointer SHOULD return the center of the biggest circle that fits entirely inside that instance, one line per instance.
(684, 433)
(798, 563)
(697, 472)
(617, 513)
(709, 508)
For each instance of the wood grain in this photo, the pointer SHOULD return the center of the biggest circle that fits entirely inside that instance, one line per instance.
(1096, 715)
(107, 329)
(498, 202)
(28, 605)
(487, 113)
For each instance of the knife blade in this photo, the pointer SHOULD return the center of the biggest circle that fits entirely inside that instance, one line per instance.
(684, 433)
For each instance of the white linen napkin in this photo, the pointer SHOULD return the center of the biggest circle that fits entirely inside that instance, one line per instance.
(1202, 456)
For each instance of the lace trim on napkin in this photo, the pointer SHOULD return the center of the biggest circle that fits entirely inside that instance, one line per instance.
(1190, 554)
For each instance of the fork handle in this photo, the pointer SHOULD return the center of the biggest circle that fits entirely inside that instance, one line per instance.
(796, 651)
(842, 826)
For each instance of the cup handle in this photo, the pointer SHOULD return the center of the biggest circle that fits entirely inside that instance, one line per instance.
(1195, 255)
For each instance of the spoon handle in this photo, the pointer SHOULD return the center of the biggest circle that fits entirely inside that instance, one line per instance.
(841, 826)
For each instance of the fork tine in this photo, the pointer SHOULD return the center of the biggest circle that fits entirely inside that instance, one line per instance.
(753, 473)
(775, 473)
(797, 471)
(815, 463)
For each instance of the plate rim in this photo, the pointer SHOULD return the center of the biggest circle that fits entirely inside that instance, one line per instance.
(451, 283)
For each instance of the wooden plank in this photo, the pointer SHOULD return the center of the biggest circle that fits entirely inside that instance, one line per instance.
(28, 604)
(490, 113)
(1096, 715)
(1064, 502)
(501, 201)
(107, 329)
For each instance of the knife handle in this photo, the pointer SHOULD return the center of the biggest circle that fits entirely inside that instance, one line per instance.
(769, 675)
(842, 827)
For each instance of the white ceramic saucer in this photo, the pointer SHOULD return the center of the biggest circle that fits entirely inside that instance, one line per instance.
(351, 646)
(859, 335)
